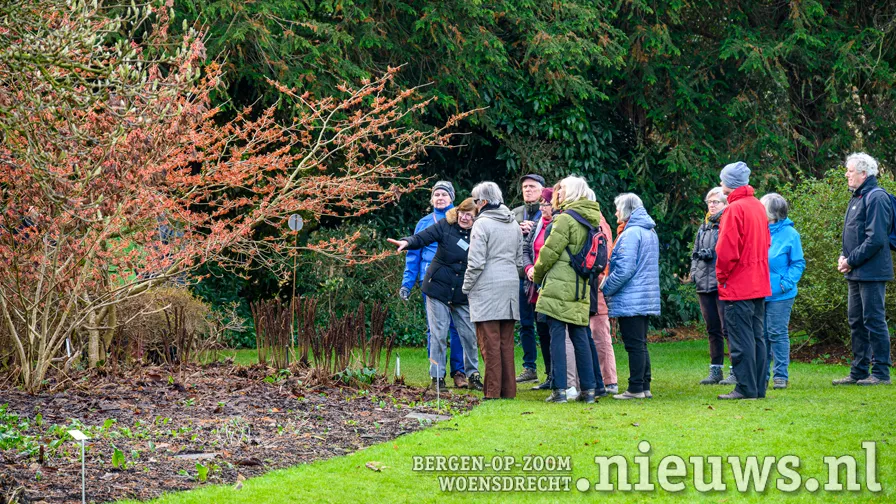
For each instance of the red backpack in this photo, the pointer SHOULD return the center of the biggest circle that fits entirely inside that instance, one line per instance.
(591, 260)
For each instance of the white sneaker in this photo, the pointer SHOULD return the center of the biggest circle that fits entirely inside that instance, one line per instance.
(572, 394)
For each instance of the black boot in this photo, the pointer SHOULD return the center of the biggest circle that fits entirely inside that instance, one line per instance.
(476, 382)
(545, 385)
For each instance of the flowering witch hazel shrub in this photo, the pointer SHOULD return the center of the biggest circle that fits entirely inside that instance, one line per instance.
(116, 173)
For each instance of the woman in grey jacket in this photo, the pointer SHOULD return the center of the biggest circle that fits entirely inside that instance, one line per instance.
(703, 273)
(492, 285)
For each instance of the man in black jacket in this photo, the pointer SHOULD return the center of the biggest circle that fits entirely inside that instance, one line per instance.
(868, 266)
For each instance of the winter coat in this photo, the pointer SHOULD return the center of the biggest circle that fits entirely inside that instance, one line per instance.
(742, 249)
(416, 262)
(703, 272)
(558, 297)
(527, 212)
(785, 260)
(494, 266)
(529, 255)
(633, 285)
(445, 275)
(598, 305)
(866, 229)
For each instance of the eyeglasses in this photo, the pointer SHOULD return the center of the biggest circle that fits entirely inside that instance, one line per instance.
(544, 204)
(713, 202)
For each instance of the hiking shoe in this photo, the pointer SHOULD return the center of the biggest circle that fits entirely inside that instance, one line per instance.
(779, 383)
(715, 375)
(527, 375)
(572, 394)
(476, 382)
(873, 380)
(734, 395)
(557, 396)
(849, 380)
(587, 396)
(630, 395)
(613, 388)
(441, 383)
(460, 381)
(731, 380)
(545, 385)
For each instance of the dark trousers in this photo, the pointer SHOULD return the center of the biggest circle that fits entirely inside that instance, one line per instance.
(634, 338)
(599, 386)
(544, 338)
(583, 347)
(527, 330)
(746, 339)
(496, 344)
(714, 316)
(868, 327)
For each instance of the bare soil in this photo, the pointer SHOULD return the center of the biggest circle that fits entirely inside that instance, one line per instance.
(234, 421)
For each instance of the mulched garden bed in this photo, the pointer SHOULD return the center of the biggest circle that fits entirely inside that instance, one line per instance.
(235, 422)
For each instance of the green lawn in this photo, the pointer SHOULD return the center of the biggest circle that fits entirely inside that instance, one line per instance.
(810, 420)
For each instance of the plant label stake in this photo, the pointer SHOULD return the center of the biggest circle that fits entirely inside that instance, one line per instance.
(80, 436)
(438, 382)
(397, 365)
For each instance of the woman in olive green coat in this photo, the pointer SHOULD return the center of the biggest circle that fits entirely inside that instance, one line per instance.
(564, 297)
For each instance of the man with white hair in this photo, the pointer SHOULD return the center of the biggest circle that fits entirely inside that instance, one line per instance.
(867, 265)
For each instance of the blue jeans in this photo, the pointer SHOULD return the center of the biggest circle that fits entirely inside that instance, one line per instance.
(777, 338)
(457, 352)
(527, 330)
(584, 350)
(868, 327)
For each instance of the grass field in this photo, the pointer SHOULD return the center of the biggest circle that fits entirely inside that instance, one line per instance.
(810, 421)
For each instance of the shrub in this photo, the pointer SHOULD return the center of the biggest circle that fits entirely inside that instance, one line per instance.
(817, 208)
(168, 324)
(341, 288)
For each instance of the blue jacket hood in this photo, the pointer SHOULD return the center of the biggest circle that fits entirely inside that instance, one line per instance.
(640, 218)
(774, 227)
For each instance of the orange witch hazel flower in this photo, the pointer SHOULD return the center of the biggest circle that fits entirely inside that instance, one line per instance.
(137, 182)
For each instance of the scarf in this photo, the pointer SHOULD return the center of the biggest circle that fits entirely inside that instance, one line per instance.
(620, 228)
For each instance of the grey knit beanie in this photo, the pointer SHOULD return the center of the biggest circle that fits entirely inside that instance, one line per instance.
(735, 175)
(445, 186)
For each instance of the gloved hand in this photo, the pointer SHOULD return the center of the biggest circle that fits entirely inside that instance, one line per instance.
(404, 293)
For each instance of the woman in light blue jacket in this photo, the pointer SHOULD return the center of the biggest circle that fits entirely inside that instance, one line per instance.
(632, 288)
(786, 265)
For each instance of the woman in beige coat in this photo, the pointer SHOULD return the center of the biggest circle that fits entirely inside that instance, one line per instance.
(491, 282)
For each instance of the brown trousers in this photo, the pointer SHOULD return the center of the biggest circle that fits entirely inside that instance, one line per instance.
(495, 339)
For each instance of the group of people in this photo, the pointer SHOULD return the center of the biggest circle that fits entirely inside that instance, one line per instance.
(484, 268)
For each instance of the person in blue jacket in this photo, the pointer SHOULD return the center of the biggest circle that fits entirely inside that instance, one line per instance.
(415, 265)
(786, 265)
(632, 288)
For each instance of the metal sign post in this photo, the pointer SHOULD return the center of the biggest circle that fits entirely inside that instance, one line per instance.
(296, 224)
